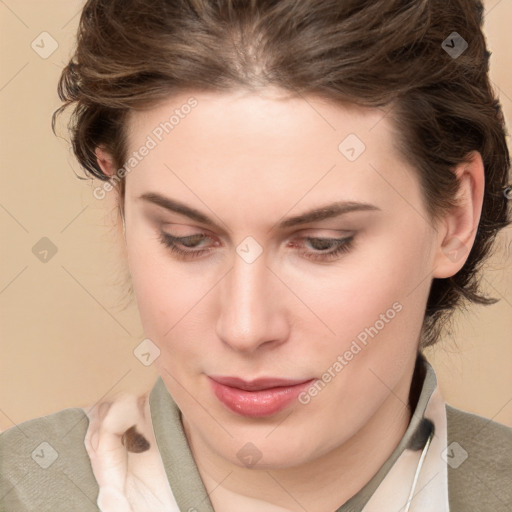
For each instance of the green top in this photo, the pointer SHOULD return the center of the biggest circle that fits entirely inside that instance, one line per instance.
(44, 464)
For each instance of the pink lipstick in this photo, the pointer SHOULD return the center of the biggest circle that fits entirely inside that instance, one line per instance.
(259, 397)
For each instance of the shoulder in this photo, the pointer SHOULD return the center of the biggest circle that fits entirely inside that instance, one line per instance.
(45, 466)
(479, 457)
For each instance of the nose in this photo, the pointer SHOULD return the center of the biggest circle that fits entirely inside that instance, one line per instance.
(252, 308)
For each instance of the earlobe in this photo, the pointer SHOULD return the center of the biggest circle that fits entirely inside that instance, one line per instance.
(105, 161)
(460, 224)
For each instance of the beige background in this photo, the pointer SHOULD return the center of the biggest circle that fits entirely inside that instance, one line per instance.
(67, 330)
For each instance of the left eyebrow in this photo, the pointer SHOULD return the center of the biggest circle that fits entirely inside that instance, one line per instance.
(326, 212)
(323, 212)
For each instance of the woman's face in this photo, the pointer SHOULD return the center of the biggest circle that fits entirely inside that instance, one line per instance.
(282, 333)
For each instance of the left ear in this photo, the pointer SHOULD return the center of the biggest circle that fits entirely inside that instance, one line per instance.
(457, 229)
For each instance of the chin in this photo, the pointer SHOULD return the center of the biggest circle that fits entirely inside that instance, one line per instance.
(257, 449)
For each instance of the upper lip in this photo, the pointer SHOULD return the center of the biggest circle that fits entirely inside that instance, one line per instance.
(257, 384)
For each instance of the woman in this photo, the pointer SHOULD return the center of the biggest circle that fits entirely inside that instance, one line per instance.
(307, 190)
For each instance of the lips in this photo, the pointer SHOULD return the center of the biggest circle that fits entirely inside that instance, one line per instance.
(257, 398)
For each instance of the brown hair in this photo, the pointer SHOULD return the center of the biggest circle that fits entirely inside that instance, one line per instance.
(131, 54)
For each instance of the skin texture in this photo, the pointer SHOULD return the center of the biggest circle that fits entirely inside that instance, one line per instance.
(248, 161)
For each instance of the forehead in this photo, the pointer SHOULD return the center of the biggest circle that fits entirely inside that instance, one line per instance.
(264, 146)
(270, 115)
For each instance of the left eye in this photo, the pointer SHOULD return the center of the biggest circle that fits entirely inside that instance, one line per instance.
(324, 249)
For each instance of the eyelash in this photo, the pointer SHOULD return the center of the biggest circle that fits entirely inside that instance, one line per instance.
(343, 245)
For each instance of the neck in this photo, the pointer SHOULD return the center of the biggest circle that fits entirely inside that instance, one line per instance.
(314, 486)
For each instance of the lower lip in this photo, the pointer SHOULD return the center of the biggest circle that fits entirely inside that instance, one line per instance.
(257, 404)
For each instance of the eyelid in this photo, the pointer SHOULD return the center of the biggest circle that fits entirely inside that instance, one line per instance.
(324, 233)
(301, 234)
(197, 229)
(163, 220)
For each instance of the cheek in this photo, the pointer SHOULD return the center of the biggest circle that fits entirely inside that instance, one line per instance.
(376, 310)
(164, 293)
(383, 270)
